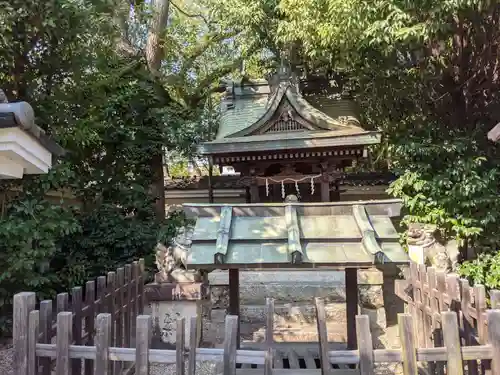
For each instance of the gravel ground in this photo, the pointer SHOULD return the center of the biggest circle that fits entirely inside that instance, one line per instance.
(6, 355)
(202, 368)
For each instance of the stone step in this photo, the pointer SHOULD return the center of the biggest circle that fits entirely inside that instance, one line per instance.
(306, 333)
(221, 277)
(290, 292)
(285, 314)
(214, 332)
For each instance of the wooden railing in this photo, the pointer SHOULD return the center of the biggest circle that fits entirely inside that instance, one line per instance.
(105, 357)
(428, 293)
(120, 294)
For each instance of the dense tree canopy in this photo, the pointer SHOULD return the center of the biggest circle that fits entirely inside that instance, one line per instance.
(426, 73)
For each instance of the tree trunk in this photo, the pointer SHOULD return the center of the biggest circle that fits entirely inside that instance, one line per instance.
(154, 55)
(154, 46)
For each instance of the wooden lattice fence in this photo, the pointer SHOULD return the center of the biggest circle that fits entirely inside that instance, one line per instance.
(119, 294)
(107, 358)
(428, 293)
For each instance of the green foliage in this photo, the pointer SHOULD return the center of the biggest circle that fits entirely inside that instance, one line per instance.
(113, 117)
(425, 73)
(450, 184)
(484, 270)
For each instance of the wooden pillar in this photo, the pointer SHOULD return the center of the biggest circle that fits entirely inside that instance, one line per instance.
(254, 193)
(254, 187)
(234, 297)
(325, 183)
(210, 186)
(351, 292)
(276, 193)
(325, 189)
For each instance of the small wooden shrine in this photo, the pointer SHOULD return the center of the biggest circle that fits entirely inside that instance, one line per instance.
(282, 143)
(285, 145)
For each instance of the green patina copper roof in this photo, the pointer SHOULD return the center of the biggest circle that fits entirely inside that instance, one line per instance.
(248, 110)
(357, 234)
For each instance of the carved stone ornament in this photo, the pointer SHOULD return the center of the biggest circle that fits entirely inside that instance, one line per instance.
(171, 260)
(423, 236)
(219, 296)
(3, 97)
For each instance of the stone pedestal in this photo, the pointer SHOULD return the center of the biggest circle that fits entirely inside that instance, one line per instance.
(371, 297)
(171, 301)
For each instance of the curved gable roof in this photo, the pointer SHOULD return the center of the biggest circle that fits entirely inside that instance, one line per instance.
(319, 120)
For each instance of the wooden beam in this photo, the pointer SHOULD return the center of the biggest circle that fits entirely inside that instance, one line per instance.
(351, 292)
(234, 298)
(292, 226)
(223, 234)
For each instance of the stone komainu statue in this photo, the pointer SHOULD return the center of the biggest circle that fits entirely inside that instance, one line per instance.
(171, 260)
(3, 97)
(443, 258)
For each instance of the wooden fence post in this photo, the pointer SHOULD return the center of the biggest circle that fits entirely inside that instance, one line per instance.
(111, 288)
(180, 343)
(467, 322)
(425, 293)
(142, 344)
(89, 322)
(269, 322)
(102, 344)
(454, 364)
(322, 336)
(63, 341)
(101, 295)
(417, 300)
(268, 362)
(24, 303)
(46, 333)
(120, 277)
(494, 337)
(495, 299)
(407, 336)
(434, 333)
(193, 333)
(136, 273)
(127, 316)
(482, 330)
(33, 335)
(76, 307)
(62, 302)
(480, 304)
(365, 346)
(230, 344)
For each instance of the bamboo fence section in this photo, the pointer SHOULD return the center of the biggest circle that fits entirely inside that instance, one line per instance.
(119, 296)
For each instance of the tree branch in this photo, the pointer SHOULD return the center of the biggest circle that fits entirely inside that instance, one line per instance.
(189, 14)
(205, 86)
(200, 49)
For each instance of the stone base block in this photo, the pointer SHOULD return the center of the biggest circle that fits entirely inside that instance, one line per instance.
(377, 317)
(170, 302)
(371, 296)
